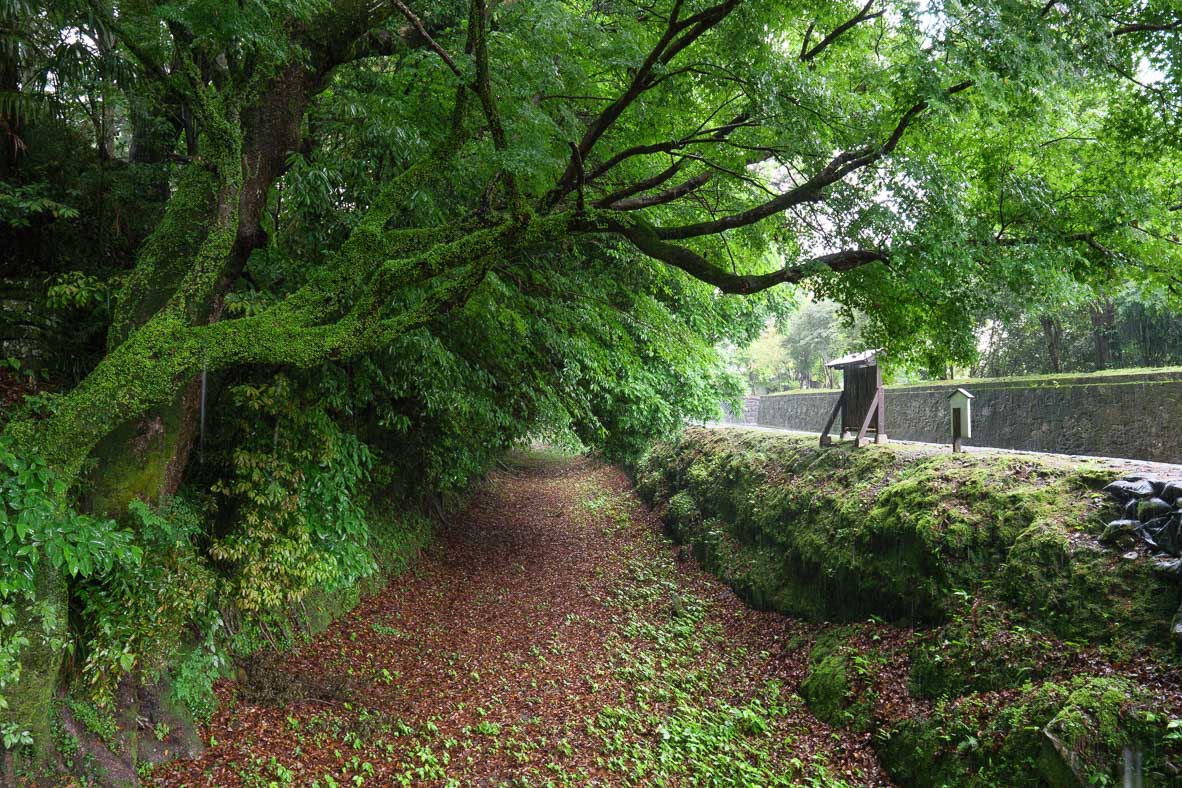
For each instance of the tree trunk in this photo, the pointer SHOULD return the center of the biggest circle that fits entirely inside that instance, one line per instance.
(105, 111)
(1103, 314)
(43, 624)
(211, 224)
(146, 458)
(1053, 333)
(10, 141)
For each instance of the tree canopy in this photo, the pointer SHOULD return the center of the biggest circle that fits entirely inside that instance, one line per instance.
(915, 161)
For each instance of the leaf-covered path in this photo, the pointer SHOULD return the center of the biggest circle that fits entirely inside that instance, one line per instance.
(550, 636)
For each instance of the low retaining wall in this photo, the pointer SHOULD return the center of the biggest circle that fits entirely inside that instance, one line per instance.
(1136, 416)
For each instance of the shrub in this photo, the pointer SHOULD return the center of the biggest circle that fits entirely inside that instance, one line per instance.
(295, 490)
(136, 617)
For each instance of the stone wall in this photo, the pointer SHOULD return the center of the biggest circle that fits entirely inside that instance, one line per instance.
(1136, 416)
(750, 414)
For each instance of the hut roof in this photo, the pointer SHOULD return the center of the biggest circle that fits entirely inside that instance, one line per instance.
(865, 358)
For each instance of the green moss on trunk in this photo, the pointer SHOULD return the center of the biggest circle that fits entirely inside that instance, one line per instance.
(42, 624)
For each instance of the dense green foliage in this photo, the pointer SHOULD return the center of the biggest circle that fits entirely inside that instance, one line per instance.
(278, 268)
(1135, 327)
(38, 529)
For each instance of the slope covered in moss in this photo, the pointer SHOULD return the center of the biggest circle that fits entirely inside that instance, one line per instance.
(1040, 656)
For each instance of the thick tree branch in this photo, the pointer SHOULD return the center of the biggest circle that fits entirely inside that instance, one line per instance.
(482, 87)
(647, 241)
(699, 137)
(1145, 27)
(421, 29)
(687, 186)
(145, 371)
(642, 185)
(678, 35)
(812, 190)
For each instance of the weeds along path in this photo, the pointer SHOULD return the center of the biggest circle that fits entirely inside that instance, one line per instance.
(550, 636)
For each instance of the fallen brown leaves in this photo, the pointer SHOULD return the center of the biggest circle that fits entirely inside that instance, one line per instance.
(487, 663)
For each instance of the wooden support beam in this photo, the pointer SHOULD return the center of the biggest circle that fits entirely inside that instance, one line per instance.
(871, 413)
(826, 440)
(880, 436)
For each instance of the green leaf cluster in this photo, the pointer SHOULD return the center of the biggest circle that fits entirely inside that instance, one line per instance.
(39, 531)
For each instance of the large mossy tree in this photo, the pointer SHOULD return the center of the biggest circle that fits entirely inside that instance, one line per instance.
(588, 195)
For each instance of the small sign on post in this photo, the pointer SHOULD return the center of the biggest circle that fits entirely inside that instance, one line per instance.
(962, 418)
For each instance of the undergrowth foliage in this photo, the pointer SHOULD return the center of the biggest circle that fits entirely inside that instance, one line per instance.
(37, 526)
(293, 496)
(137, 616)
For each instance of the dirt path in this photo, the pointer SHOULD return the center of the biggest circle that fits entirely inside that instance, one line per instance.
(550, 636)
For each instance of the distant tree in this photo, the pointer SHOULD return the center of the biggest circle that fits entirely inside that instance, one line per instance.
(1133, 327)
(765, 363)
(815, 335)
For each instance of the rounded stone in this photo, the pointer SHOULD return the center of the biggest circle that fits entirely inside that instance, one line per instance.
(1172, 490)
(1117, 530)
(1152, 509)
(1124, 489)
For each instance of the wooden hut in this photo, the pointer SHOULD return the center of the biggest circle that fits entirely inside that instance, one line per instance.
(862, 403)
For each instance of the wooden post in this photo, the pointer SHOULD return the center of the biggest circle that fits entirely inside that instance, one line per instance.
(826, 440)
(880, 436)
(956, 430)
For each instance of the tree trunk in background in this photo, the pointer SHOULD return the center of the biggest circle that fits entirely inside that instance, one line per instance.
(154, 134)
(10, 141)
(1053, 332)
(1103, 314)
(1142, 327)
(105, 114)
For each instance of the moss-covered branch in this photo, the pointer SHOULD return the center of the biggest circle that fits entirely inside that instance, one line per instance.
(155, 361)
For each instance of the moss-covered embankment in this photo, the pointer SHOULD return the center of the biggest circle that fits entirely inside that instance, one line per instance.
(1040, 657)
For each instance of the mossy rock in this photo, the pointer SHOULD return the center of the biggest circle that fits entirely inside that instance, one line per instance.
(837, 687)
(1061, 735)
(826, 686)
